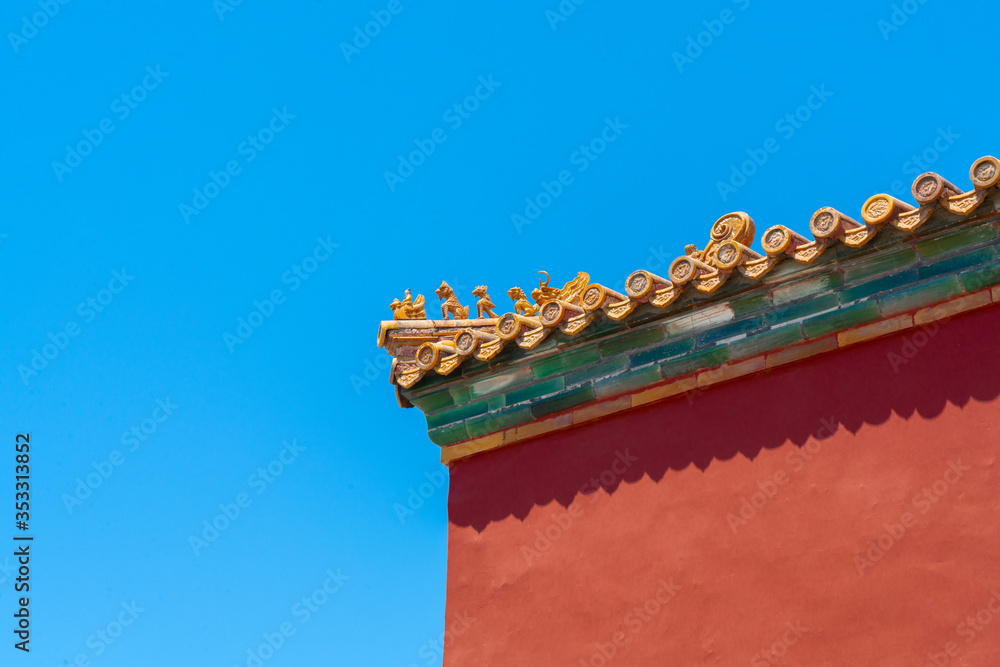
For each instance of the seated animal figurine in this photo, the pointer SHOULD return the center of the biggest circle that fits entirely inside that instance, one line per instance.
(521, 304)
(484, 305)
(451, 306)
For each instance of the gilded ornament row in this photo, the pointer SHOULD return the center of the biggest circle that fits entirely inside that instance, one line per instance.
(571, 308)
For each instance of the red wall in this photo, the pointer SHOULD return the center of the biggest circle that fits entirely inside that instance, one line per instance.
(838, 450)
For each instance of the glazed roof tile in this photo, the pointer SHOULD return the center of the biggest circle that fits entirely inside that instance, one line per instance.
(422, 347)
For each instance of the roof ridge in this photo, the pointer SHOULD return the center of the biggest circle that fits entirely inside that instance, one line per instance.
(443, 345)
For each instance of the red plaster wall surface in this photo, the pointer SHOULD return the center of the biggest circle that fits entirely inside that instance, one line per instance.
(839, 511)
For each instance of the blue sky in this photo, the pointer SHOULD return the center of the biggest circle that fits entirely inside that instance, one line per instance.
(209, 206)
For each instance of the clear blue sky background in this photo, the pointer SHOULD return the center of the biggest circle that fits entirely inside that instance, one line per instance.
(304, 373)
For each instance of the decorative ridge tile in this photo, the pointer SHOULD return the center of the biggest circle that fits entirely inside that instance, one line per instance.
(716, 312)
(420, 345)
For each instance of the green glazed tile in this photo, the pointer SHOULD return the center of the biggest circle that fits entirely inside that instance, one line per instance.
(803, 309)
(662, 352)
(729, 330)
(492, 422)
(775, 339)
(500, 382)
(449, 435)
(631, 341)
(882, 284)
(961, 261)
(818, 285)
(785, 271)
(700, 319)
(565, 401)
(429, 383)
(921, 295)
(460, 394)
(436, 401)
(603, 369)
(621, 384)
(715, 356)
(596, 330)
(750, 304)
(977, 279)
(531, 391)
(962, 239)
(567, 361)
(456, 414)
(838, 320)
(872, 265)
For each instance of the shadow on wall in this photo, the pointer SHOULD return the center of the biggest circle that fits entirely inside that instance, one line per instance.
(917, 371)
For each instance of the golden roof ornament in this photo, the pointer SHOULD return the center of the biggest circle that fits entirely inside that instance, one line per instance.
(484, 306)
(521, 304)
(408, 309)
(728, 254)
(451, 306)
(569, 293)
